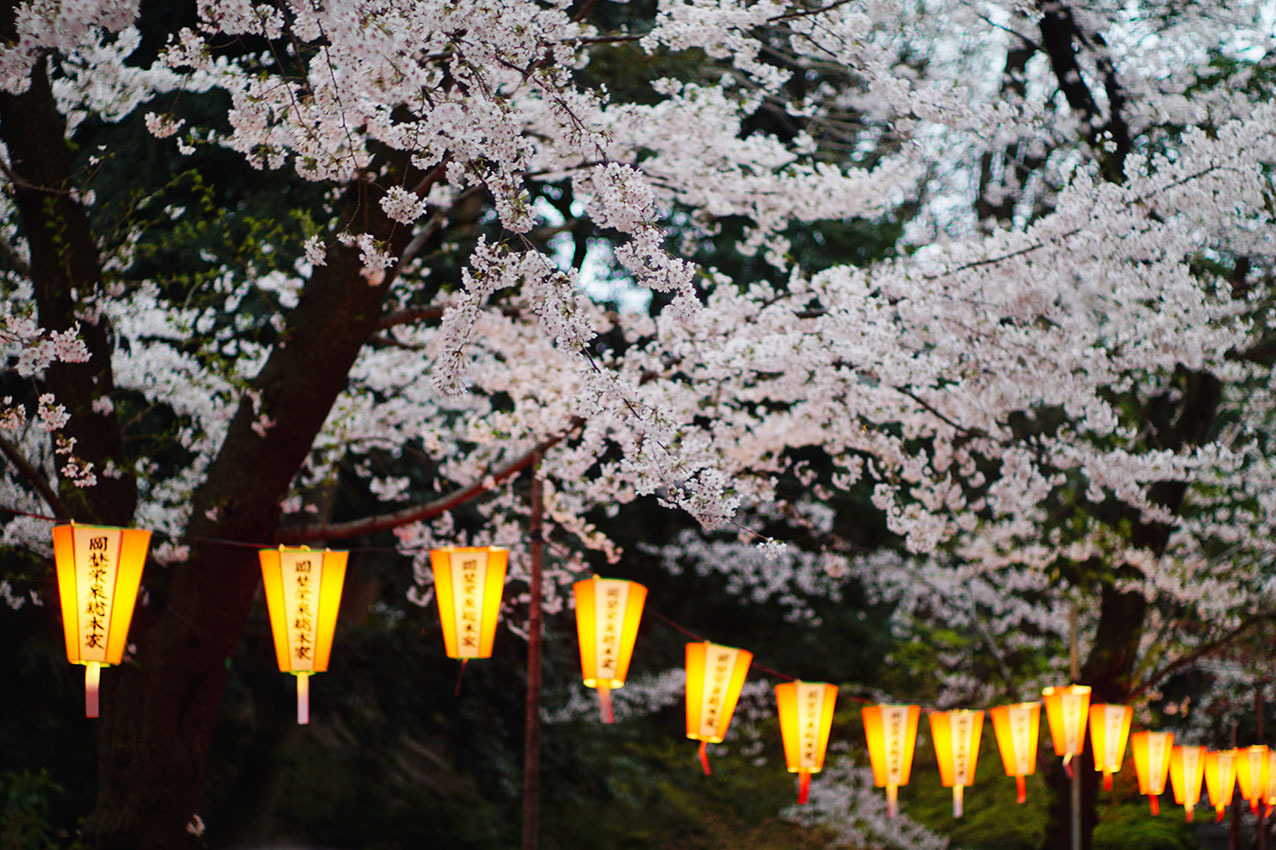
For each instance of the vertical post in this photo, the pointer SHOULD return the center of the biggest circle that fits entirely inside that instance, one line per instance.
(1234, 834)
(532, 726)
(1261, 843)
(1074, 664)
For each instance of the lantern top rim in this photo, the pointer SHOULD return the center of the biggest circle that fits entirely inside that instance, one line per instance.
(470, 549)
(715, 643)
(1034, 704)
(1065, 689)
(303, 548)
(76, 524)
(955, 711)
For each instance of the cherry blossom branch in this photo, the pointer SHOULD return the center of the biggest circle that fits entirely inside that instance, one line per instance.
(34, 478)
(1200, 652)
(416, 513)
(806, 13)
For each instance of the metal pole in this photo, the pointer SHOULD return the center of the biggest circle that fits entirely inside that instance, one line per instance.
(1074, 661)
(1258, 723)
(532, 727)
(1234, 834)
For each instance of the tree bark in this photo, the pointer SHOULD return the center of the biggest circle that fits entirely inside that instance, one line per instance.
(65, 272)
(159, 713)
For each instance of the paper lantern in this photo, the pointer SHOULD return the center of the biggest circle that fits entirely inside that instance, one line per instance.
(1109, 729)
(892, 733)
(1017, 727)
(1252, 774)
(303, 594)
(715, 675)
(1066, 712)
(608, 611)
(1152, 764)
(806, 716)
(1220, 778)
(1187, 769)
(955, 735)
(99, 569)
(468, 583)
(1271, 782)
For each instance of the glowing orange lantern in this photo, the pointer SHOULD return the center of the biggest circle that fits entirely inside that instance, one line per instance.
(806, 716)
(1271, 782)
(303, 594)
(99, 569)
(715, 675)
(892, 733)
(1252, 774)
(1220, 778)
(1187, 769)
(1152, 763)
(956, 737)
(469, 582)
(1109, 729)
(608, 611)
(1017, 727)
(1066, 709)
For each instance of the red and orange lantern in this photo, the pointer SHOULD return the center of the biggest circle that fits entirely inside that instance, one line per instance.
(468, 584)
(1220, 779)
(715, 675)
(1017, 728)
(1109, 730)
(1152, 764)
(303, 595)
(1187, 770)
(891, 731)
(1066, 712)
(1271, 782)
(608, 611)
(806, 717)
(1252, 774)
(956, 735)
(99, 571)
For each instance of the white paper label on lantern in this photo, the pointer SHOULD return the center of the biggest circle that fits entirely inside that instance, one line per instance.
(719, 664)
(97, 563)
(1113, 720)
(1190, 758)
(810, 708)
(1072, 714)
(895, 735)
(1225, 767)
(961, 725)
(301, 572)
(1158, 753)
(469, 578)
(1256, 758)
(611, 597)
(1020, 722)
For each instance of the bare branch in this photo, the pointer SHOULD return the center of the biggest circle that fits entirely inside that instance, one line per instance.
(34, 478)
(416, 513)
(409, 316)
(1200, 652)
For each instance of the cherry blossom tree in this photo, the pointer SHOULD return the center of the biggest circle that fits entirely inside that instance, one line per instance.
(1056, 389)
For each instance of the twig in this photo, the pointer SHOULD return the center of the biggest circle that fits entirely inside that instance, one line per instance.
(416, 513)
(34, 478)
(1201, 651)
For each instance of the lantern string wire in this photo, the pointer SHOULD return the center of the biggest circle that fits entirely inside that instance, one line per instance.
(221, 541)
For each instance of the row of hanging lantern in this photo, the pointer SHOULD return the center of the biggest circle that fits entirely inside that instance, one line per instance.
(891, 731)
(99, 572)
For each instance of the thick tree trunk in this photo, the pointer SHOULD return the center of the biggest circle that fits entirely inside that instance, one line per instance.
(159, 714)
(65, 269)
